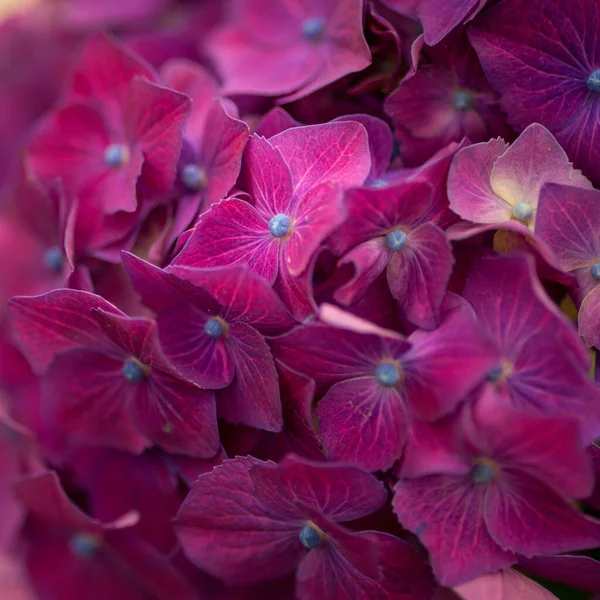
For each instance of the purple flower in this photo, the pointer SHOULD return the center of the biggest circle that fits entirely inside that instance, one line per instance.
(376, 382)
(569, 222)
(503, 488)
(249, 521)
(387, 230)
(541, 365)
(544, 60)
(105, 381)
(211, 324)
(300, 47)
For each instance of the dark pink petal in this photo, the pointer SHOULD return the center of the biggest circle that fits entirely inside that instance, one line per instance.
(369, 260)
(547, 524)
(404, 575)
(314, 216)
(381, 141)
(200, 358)
(418, 274)
(104, 71)
(338, 492)
(229, 532)
(276, 121)
(243, 296)
(447, 515)
(253, 397)
(331, 354)
(328, 153)
(269, 180)
(154, 118)
(469, 189)
(376, 212)
(296, 292)
(579, 571)
(160, 289)
(444, 365)
(363, 423)
(232, 232)
(568, 220)
(512, 305)
(86, 395)
(60, 320)
(177, 416)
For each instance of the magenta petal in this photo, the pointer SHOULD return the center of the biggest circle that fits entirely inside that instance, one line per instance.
(447, 515)
(369, 259)
(469, 189)
(253, 397)
(232, 232)
(363, 423)
(444, 365)
(226, 530)
(547, 524)
(577, 571)
(328, 153)
(86, 397)
(276, 121)
(177, 416)
(336, 492)
(57, 321)
(297, 292)
(243, 296)
(204, 360)
(568, 220)
(269, 180)
(315, 215)
(419, 273)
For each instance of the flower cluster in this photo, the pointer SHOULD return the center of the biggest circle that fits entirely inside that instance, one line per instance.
(300, 299)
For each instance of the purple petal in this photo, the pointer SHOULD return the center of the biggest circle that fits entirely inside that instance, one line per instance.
(363, 423)
(232, 232)
(87, 398)
(60, 320)
(253, 397)
(229, 532)
(589, 318)
(418, 275)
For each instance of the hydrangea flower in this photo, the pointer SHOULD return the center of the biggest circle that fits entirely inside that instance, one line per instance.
(211, 324)
(105, 379)
(301, 46)
(544, 61)
(117, 125)
(387, 230)
(377, 383)
(248, 521)
(492, 183)
(502, 488)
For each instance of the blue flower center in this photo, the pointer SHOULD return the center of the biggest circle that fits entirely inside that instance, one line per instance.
(495, 373)
(595, 271)
(396, 240)
(593, 81)
(84, 545)
(54, 259)
(522, 211)
(313, 29)
(463, 100)
(379, 183)
(133, 371)
(193, 177)
(310, 537)
(214, 328)
(279, 225)
(116, 155)
(483, 472)
(387, 374)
